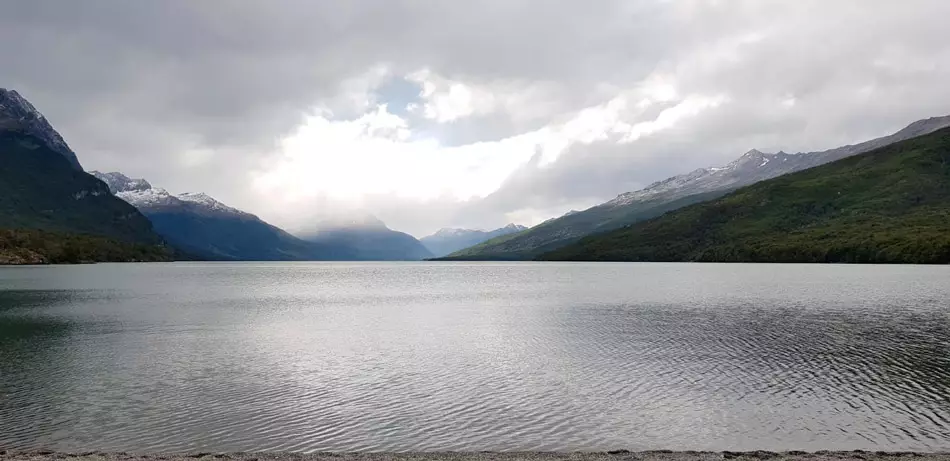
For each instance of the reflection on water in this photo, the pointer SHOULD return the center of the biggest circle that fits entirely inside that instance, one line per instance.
(306, 357)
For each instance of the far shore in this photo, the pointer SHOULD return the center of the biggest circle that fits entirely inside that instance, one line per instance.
(619, 455)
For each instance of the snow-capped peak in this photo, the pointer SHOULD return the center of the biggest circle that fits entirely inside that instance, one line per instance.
(119, 182)
(659, 187)
(17, 114)
(206, 201)
(153, 197)
(143, 196)
(15, 99)
(752, 156)
(138, 192)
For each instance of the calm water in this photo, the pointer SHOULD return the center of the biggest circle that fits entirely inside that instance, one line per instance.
(417, 356)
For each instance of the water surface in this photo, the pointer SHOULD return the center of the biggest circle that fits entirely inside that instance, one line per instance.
(474, 356)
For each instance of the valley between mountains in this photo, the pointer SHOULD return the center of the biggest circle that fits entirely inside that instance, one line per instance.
(884, 200)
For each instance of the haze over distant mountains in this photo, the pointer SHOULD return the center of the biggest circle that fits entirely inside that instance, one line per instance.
(370, 239)
(450, 240)
(675, 192)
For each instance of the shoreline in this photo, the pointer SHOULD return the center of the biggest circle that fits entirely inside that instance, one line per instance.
(617, 455)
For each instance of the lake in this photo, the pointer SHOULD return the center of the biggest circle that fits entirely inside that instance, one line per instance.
(309, 357)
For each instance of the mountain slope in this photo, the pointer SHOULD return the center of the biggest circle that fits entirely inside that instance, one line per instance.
(371, 240)
(890, 205)
(447, 241)
(672, 193)
(209, 229)
(40, 189)
(558, 232)
(52, 211)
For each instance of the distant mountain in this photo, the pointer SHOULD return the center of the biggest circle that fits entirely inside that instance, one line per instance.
(209, 229)
(47, 201)
(889, 205)
(673, 193)
(370, 238)
(447, 241)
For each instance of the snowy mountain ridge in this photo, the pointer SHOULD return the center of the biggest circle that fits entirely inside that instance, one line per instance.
(142, 195)
(755, 166)
(204, 200)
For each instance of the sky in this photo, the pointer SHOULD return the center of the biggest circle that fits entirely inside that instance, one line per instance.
(431, 114)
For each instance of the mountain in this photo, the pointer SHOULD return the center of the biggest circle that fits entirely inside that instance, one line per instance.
(661, 197)
(47, 201)
(18, 115)
(209, 229)
(889, 205)
(447, 240)
(370, 238)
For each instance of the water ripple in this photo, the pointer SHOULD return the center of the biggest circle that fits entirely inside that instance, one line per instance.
(399, 357)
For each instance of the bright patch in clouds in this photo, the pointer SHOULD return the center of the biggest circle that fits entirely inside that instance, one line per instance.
(447, 100)
(374, 155)
(378, 154)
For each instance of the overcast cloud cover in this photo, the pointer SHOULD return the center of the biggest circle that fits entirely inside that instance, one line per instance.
(432, 114)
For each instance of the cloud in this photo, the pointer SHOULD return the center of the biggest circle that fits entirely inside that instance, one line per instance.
(431, 114)
(354, 162)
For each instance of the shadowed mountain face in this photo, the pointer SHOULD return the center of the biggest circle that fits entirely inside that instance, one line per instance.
(209, 229)
(673, 193)
(43, 187)
(447, 241)
(890, 205)
(40, 189)
(371, 240)
(51, 210)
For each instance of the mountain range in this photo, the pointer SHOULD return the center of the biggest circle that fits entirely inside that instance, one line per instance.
(53, 211)
(209, 229)
(450, 240)
(670, 194)
(889, 205)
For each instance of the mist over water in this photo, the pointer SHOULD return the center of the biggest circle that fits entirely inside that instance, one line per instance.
(474, 356)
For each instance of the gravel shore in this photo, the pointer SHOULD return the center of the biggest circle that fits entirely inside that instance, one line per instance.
(483, 456)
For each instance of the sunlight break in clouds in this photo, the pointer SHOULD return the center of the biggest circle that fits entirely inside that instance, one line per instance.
(379, 154)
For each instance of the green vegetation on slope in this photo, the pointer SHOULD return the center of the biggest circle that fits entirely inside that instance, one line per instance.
(890, 205)
(31, 246)
(528, 244)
